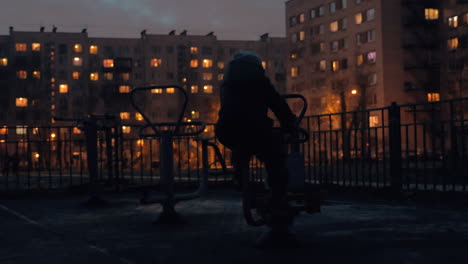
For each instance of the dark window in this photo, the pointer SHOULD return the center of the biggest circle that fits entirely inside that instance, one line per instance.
(63, 49)
(207, 50)
(170, 76)
(156, 49)
(170, 49)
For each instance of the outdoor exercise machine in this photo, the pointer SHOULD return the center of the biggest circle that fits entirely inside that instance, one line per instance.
(90, 125)
(166, 132)
(300, 196)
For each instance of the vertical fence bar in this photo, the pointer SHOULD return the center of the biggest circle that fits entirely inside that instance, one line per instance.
(394, 125)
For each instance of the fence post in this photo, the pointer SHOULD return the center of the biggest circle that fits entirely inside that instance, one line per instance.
(394, 128)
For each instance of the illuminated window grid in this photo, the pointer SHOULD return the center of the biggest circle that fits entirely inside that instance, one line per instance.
(21, 47)
(93, 49)
(208, 89)
(94, 76)
(77, 48)
(124, 89)
(155, 62)
(63, 88)
(108, 63)
(206, 63)
(21, 102)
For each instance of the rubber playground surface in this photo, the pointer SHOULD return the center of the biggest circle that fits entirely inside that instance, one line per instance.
(60, 229)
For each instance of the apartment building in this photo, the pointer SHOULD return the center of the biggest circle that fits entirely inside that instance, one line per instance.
(361, 54)
(45, 74)
(456, 59)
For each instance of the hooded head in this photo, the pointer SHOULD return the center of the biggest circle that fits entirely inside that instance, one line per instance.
(248, 57)
(245, 66)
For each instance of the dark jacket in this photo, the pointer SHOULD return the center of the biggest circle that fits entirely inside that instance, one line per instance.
(246, 95)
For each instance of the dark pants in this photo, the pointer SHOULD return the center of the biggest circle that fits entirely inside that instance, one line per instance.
(267, 145)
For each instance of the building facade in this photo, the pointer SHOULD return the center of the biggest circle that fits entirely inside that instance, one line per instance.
(346, 55)
(47, 74)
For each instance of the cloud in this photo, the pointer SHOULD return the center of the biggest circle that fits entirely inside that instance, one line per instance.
(239, 19)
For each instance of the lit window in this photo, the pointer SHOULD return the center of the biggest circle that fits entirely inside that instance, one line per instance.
(373, 121)
(220, 76)
(108, 76)
(21, 130)
(36, 46)
(453, 21)
(193, 50)
(21, 102)
(126, 129)
(156, 91)
(264, 65)
(335, 65)
(194, 63)
(77, 61)
(294, 72)
(334, 26)
(63, 88)
(22, 74)
(124, 89)
(155, 62)
(293, 56)
(208, 89)
(3, 62)
(93, 49)
(184, 80)
(94, 76)
(359, 59)
(194, 89)
(3, 130)
(207, 63)
(433, 97)
(21, 47)
(452, 43)
(221, 65)
(77, 48)
(108, 63)
(36, 74)
(301, 18)
(302, 35)
(124, 115)
(207, 76)
(139, 116)
(371, 57)
(76, 130)
(195, 114)
(323, 65)
(76, 75)
(170, 90)
(465, 18)
(125, 76)
(358, 18)
(431, 13)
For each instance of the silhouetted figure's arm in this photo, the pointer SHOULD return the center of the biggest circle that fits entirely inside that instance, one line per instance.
(278, 105)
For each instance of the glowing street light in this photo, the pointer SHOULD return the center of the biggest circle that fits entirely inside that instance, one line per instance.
(354, 92)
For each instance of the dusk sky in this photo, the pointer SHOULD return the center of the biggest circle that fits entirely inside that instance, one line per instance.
(229, 19)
